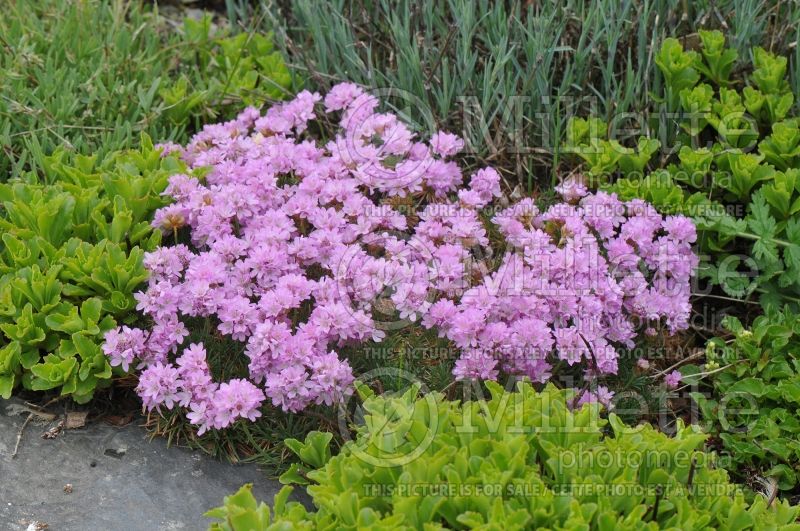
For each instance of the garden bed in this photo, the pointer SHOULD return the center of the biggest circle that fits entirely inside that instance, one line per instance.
(376, 247)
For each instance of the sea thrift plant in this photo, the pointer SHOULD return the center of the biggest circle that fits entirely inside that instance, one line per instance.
(673, 379)
(300, 247)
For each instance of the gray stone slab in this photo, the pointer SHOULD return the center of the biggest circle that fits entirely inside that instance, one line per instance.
(120, 479)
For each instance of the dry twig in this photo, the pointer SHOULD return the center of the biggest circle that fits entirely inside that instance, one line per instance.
(19, 435)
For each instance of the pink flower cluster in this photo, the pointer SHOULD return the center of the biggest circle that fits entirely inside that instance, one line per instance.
(575, 280)
(300, 248)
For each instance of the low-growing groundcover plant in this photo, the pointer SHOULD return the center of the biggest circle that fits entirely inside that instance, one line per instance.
(516, 460)
(71, 258)
(736, 171)
(90, 75)
(299, 248)
(742, 189)
(755, 405)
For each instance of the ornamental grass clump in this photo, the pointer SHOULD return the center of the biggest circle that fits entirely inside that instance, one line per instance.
(298, 247)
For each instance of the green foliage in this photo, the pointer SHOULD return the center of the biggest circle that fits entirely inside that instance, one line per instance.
(241, 512)
(767, 98)
(678, 68)
(506, 74)
(70, 261)
(755, 405)
(232, 71)
(90, 75)
(517, 460)
(744, 191)
(718, 60)
(771, 98)
(604, 157)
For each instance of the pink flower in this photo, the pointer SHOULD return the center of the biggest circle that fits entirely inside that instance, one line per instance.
(238, 316)
(291, 389)
(475, 365)
(572, 189)
(237, 399)
(201, 414)
(446, 144)
(600, 394)
(486, 183)
(159, 384)
(123, 345)
(341, 95)
(673, 379)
